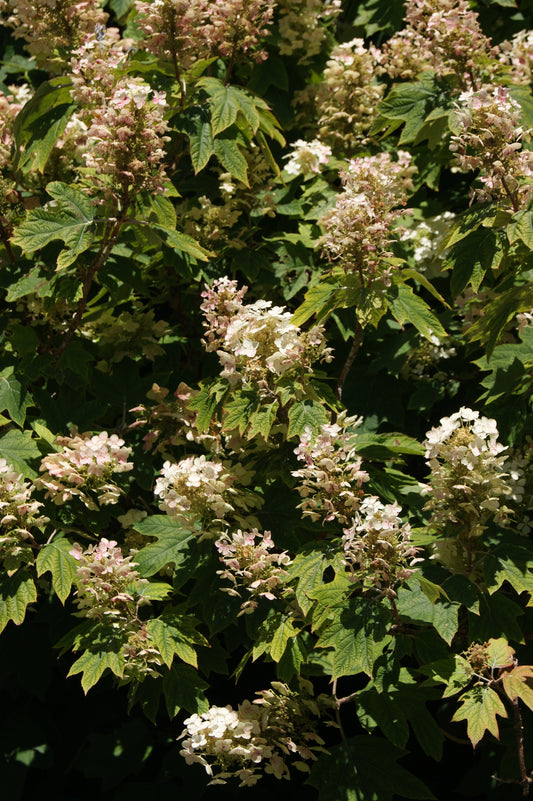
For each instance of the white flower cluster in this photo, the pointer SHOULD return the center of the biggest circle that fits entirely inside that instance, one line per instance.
(377, 547)
(256, 737)
(332, 478)
(200, 490)
(257, 340)
(251, 566)
(84, 467)
(469, 481)
(303, 26)
(424, 237)
(307, 157)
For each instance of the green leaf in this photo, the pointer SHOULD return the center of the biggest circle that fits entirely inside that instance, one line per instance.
(414, 604)
(497, 315)
(517, 683)
(32, 282)
(521, 228)
(306, 414)
(410, 308)
(385, 446)
(468, 221)
(262, 420)
(17, 447)
(317, 298)
(56, 558)
(171, 546)
(202, 146)
(69, 221)
(453, 671)
(479, 707)
(169, 641)
(309, 569)
(231, 157)
(182, 243)
(514, 565)
(358, 636)
(238, 410)
(16, 592)
(184, 689)
(40, 123)
(227, 102)
(365, 768)
(284, 632)
(92, 664)
(470, 259)
(409, 104)
(154, 591)
(206, 402)
(14, 397)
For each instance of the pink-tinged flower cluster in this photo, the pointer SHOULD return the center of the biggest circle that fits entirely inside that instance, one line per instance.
(307, 158)
(51, 28)
(169, 419)
(19, 513)
(10, 105)
(470, 482)
(188, 31)
(275, 732)
(175, 29)
(442, 35)
(198, 490)
(348, 96)
(377, 546)
(517, 54)
(303, 26)
(258, 340)
(488, 137)
(94, 67)
(358, 229)
(125, 141)
(252, 567)
(106, 582)
(84, 469)
(331, 481)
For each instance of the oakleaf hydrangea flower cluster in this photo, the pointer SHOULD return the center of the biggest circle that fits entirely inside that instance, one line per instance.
(489, 138)
(84, 468)
(128, 334)
(19, 513)
(331, 481)
(442, 35)
(303, 26)
(252, 567)
(470, 483)
(518, 55)
(201, 490)
(125, 140)
(307, 157)
(348, 96)
(358, 229)
(185, 31)
(258, 340)
(424, 238)
(51, 28)
(377, 547)
(106, 581)
(259, 737)
(109, 591)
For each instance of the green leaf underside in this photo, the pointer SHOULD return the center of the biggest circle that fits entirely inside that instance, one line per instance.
(55, 557)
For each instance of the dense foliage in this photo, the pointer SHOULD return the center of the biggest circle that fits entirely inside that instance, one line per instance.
(265, 448)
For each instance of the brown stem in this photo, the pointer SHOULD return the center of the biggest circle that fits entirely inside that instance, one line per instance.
(512, 197)
(525, 780)
(104, 252)
(356, 344)
(7, 243)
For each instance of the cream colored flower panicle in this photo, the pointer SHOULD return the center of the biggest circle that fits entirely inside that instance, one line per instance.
(198, 490)
(275, 732)
(19, 514)
(489, 138)
(307, 157)
(84, 468)
(470, 483)
(331, 481)
(257, 340)
(358, 230)
(377, 547)
(303, 26)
